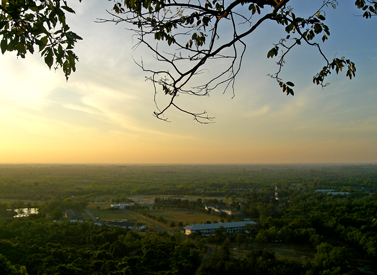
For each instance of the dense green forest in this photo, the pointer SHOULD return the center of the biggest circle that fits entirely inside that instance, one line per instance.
(82, 248)
(340, 230)
(46, 182)
(41, 247)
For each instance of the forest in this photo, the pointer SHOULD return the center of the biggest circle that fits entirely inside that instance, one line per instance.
(337, 231)
(46, 182)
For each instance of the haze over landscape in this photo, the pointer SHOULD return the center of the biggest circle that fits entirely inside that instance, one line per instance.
(103, 114)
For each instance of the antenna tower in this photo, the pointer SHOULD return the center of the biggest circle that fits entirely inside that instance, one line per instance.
(276, 193)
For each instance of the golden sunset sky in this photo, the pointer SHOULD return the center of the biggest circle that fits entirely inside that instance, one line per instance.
(104, 113)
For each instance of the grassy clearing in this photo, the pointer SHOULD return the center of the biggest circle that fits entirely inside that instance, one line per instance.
(282, 251)
(104, 215)
(182, 215)
(92, 206)
(112, 215)
(292, 252)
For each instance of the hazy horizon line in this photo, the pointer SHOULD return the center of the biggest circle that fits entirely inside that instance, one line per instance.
(188, 164)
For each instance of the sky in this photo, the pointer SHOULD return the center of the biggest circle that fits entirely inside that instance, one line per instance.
(104, 112)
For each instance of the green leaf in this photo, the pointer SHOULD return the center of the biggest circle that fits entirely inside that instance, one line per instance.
(2, 24)
(11, 45)
(49, 59)
(30, 47)
(44, 41)
(3, 45)
(289, 28)
(273, 52)
(68, 9)
(21, 49)
(290, 84)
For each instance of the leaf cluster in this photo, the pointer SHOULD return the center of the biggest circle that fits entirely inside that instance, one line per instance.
(25, 24)
(369, 7)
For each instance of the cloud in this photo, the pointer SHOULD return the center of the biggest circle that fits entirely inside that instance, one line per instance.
(26, 83)
(259, 112)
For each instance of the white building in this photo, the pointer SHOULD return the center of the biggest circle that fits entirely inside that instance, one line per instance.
(324, 191)
(121, 205)
(339, 193)
(208, 229)
(331, 192)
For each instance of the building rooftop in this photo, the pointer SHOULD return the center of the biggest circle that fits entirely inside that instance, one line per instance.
(217, 225)
(73, 214)
(324, 190)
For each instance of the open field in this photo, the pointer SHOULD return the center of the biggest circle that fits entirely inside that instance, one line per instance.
(121, 215)
(150, 199)
(288, 251)
(282, 251)
(108, 215)
(112, 215)
(185, 216)
(95, 206)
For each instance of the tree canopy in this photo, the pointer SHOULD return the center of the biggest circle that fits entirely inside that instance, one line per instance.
(184, 36)
(27, 24)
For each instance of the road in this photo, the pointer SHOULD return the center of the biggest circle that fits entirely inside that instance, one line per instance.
(149, 221)
(90, 215)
